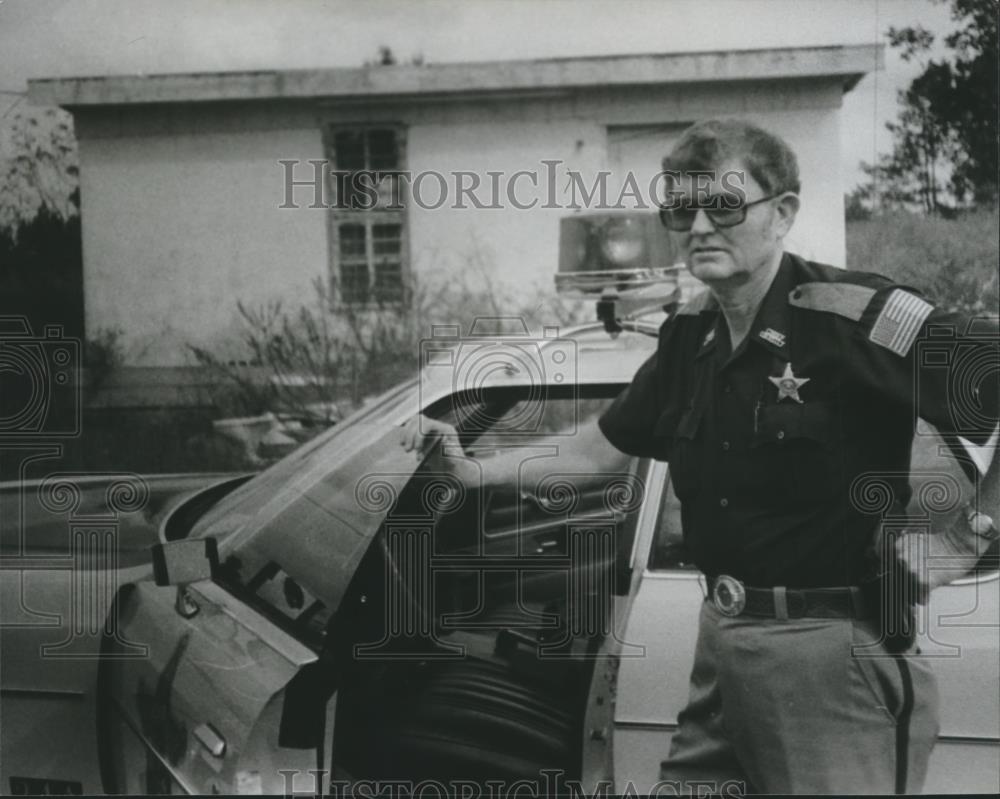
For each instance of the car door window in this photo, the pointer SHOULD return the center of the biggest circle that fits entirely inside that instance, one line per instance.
(555, 502)
(295, 538)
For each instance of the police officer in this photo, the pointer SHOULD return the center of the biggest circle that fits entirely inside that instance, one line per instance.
(780, 396)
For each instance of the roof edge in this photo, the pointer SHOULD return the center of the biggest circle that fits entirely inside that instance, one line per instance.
(848, 61)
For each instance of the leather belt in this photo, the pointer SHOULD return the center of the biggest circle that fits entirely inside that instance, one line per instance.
(732, 598)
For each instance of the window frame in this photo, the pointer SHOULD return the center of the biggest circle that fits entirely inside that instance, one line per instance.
(393, 213)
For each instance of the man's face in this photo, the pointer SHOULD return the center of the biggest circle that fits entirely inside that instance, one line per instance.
(731, 255)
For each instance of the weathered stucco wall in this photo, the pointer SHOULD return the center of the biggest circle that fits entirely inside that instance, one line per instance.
(181, 220)
(181, 212)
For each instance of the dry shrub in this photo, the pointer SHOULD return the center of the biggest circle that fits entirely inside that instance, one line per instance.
(316, 359)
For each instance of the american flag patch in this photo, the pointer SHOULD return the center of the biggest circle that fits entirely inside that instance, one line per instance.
(899, 323)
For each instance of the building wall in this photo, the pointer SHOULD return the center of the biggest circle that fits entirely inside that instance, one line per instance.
(182, 220)
(181, 203)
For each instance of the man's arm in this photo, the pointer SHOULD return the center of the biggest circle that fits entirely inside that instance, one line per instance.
(946, 368)
(585, 451)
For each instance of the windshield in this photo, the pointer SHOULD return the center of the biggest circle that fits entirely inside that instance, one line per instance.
(244, 505)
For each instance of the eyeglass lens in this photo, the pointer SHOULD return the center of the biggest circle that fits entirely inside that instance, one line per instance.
(682, 218)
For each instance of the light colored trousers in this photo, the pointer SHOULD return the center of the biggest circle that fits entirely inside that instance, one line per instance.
(803, 706)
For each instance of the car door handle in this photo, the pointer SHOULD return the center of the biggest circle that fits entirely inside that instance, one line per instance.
(209, 737)
(546, 546)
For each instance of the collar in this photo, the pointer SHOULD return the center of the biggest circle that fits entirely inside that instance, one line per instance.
(770, 328)
(771, 325)
(714, 325)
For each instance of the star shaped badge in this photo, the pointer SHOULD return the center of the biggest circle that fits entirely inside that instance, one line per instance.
(788, 384)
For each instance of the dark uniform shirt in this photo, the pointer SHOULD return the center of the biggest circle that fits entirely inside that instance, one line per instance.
(784, 483)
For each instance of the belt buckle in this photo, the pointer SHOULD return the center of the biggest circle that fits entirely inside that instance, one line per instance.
(729, 596)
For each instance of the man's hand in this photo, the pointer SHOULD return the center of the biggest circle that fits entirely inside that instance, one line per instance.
(421, 434)
(952, 550)
(937, 558)
(438, 442)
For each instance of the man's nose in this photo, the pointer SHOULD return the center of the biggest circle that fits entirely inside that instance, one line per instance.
(702, 224)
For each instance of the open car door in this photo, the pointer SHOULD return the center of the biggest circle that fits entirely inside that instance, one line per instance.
(229, 691)
(458, 642)
(481, 638)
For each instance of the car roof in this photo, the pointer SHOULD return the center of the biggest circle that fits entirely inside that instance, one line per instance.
(582, 355)
(603, 359)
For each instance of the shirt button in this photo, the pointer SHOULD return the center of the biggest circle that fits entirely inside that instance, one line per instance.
(781, 434)
(724, 502)
(725, 446)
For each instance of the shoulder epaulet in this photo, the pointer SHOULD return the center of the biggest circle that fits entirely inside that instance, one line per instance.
(698, 303)
(845, 299)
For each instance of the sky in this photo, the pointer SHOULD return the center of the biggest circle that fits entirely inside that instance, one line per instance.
(61, 38)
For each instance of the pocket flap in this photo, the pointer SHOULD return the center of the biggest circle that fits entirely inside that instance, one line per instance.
(810, 420)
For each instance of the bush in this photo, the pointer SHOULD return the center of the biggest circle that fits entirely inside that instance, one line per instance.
(953, 261)
(103, 355)
(311, 360)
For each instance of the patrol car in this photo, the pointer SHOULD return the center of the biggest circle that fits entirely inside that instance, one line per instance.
(355, 615)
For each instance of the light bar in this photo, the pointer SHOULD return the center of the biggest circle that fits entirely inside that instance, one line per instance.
(623, 282)
(626, 254)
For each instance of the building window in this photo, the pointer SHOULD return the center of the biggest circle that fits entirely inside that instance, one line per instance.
(367, 217)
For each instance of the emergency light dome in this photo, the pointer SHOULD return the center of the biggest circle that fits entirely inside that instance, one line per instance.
(627, 255)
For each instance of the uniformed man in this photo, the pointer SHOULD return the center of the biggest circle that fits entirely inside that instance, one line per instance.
(785, 400)
(777, 396)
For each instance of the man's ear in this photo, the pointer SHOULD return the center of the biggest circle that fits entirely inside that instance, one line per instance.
(785, 210)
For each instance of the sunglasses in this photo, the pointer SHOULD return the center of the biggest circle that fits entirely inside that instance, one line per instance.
(680, 218)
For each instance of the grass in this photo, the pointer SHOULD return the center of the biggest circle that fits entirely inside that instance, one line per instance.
(953, 261)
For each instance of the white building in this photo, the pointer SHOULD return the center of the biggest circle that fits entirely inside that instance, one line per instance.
(186, 201)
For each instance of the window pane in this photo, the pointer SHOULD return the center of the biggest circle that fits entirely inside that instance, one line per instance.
(389, 188)
(553, 504)
(349, 150)
(388, 281)
(354, 282)
(386, 239)
(352, 241)
(382, 150)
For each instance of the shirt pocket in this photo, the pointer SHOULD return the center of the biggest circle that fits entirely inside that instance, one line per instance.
(795, 450)
(684, 451)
